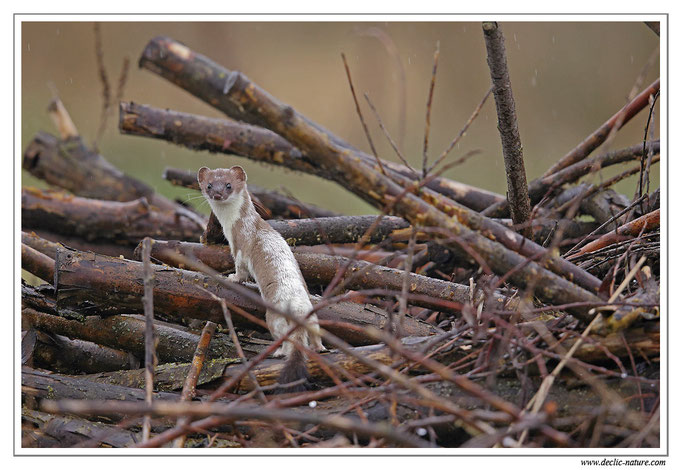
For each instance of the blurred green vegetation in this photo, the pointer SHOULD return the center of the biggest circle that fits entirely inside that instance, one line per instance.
(567, 79)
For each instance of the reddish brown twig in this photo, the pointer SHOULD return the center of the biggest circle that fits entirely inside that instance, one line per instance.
(598, 137)
(646, 222)
(189, 389)
(362, 119)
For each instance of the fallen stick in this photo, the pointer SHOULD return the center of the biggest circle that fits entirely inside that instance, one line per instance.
(168, 409)
(126, 332)
(102, 220)
(647, 222)
(74, 356)
(77, 432)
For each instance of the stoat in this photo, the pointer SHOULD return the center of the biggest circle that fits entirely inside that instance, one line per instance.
(260, 251)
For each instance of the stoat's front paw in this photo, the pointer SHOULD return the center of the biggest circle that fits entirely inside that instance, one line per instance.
(234, 278)
(279, 352)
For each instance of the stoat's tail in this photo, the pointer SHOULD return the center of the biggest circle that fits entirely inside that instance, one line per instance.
(295, 370)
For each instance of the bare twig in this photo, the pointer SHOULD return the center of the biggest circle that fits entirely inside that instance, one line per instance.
(362, 120)
(388, 136)
(454, 142)
(104, 79)
(648, 153)
(149, 343)
(429, 101)
(189, 388)
(600, 135)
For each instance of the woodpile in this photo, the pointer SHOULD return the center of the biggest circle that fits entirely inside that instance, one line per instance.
(447, 324)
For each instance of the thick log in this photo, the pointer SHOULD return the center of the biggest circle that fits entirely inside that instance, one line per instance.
(70, 431)
(74, 356)
(93, 219)
(70, 165)
(322, 230)
(320, 269)
(236, 138)
(42, 384)
(280, 206)
(349, 170)
(167, 377)
(126, 332)
(37, 263)
(114, 285)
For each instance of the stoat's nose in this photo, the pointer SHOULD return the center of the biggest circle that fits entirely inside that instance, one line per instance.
(218, 197)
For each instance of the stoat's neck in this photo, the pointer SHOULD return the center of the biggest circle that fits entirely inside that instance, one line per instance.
(237, 216)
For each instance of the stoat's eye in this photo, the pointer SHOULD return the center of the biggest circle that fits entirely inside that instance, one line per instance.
(228, 186)
(209, 186)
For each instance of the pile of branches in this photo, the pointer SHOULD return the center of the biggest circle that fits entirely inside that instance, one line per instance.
(447, 323)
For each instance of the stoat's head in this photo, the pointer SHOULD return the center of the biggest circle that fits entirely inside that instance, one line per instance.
(219, 185)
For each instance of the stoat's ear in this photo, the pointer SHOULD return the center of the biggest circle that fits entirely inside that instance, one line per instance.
(239, 173)
(202, 173)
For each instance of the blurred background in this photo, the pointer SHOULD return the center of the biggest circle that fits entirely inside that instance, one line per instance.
(567, 79)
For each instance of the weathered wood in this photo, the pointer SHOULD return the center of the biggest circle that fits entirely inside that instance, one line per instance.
(645, 223)
(538, 188)
(344, 165)
(167, 377)
(349, 170)
(37, 263)
(93, 219)
(321, 230)
(74, 356)
(517, 187)
(212, 82)
(69, 164)
(76, 432)
(126, 332)
(320, 269)
(114, 285)
(42, 384)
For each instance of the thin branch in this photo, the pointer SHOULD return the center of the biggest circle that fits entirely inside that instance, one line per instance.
(388, 136)
(456, 140)
(104, 79)
(429, 101)
(362, 119)
(189, 388)
(149, 342)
